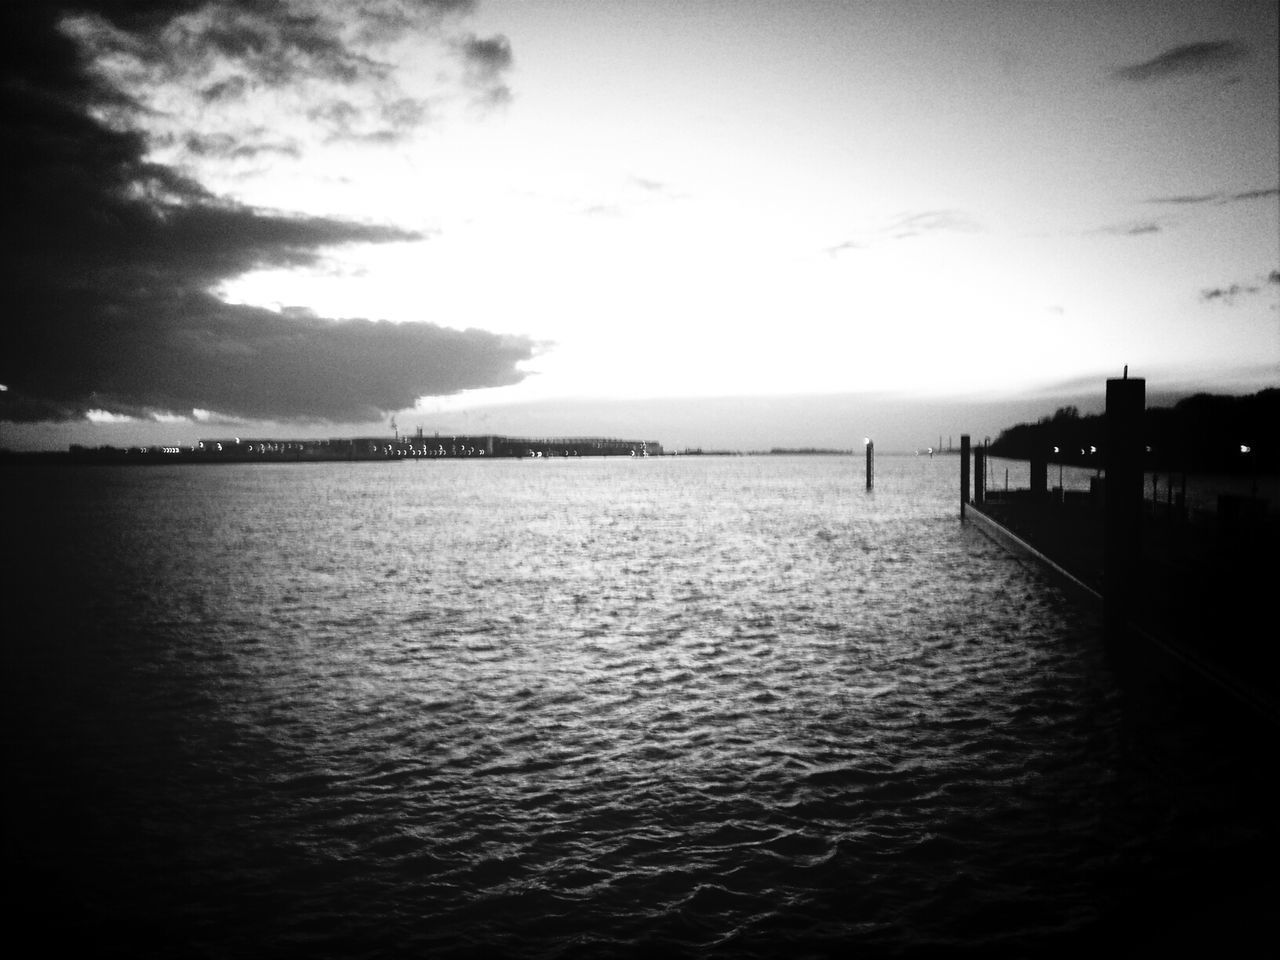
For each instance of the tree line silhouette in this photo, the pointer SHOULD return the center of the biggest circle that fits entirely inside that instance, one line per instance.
(1204, 433)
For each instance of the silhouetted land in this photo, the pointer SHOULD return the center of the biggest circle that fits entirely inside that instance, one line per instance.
(1204, 433)
(312, 450)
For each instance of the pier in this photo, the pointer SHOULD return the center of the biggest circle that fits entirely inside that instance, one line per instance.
(1189, 587)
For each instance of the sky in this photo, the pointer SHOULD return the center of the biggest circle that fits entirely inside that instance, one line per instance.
(713, 224)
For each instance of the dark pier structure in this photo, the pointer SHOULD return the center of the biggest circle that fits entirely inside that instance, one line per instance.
(416, 447)
(1189, 589)
(1185, 598)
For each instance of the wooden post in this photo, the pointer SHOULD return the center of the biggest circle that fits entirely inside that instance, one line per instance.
(1039, 475)
(871, 464)
(1122, 551)
(980, 475)
(964, 472)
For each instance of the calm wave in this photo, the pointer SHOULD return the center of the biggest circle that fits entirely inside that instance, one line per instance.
(703, 706)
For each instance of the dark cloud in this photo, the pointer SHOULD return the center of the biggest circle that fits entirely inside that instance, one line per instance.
(225, 51)
(189, 350)
(1190, 198)
(490, 55)
(1190, 59)
(106, 295)
(233, 88)
(405, 113)
(487, 60)
(226, 146)
(378, 21)
(271, 42)
(265, 40)
(1133, 229)
(338, 117)
(1217, 198)
(389, 122)
(1229, 294)
(1256, 194)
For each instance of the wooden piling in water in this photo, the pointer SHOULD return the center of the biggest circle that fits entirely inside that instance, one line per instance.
(964, 473)
(871, 464)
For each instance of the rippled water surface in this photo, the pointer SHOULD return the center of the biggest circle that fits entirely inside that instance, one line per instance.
(714, 706)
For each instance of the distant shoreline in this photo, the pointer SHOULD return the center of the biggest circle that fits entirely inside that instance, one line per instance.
(122, 457)
(416, 447)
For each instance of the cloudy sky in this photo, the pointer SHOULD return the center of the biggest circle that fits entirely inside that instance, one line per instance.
(752, 223)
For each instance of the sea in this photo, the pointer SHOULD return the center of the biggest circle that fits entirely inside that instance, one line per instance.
(685, 706)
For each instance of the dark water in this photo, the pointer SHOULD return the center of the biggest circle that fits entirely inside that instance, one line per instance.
(701, 706)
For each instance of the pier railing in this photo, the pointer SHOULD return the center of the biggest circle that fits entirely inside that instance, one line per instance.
(1171, 495)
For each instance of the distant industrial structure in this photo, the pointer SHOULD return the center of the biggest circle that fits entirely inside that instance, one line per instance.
(418, 446)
